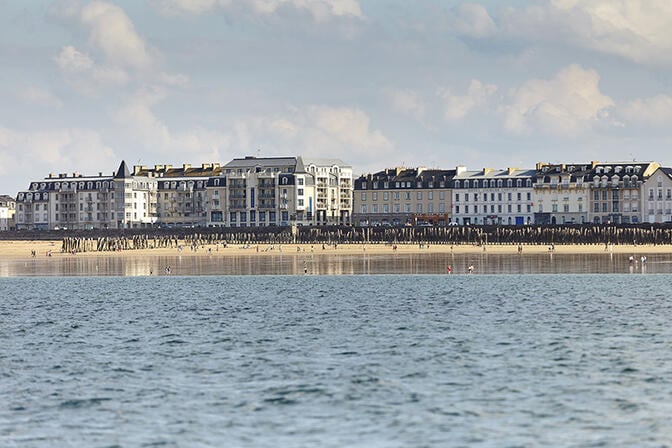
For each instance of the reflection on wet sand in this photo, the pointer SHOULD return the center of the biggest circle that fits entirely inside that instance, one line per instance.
(333, 264)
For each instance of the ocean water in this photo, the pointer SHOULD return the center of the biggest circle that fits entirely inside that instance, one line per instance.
(335, 361)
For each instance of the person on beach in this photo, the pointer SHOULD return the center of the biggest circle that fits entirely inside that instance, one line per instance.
(470, 269)
(449, 270)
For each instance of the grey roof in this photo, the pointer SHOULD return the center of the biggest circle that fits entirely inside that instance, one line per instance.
(324, 162)
(123, 172)
(251, 162)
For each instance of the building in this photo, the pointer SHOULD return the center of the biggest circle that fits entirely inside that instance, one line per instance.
(280, 191)
(121, 200)
(180, 197)
(333, 190)
(488, 196)
(401, 196)
(616, 191)
(7, 211)
(656, 196)
(561, 193)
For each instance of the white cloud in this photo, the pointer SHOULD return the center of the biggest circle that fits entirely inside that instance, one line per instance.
(654, 111)
(639, 30)
(471, 20)
(40, 97)
(82, 72)
(456, 107)
(113, 32)
(140, 124)
(570, 103)
(320, 10)
(408, 102)
(43, 151)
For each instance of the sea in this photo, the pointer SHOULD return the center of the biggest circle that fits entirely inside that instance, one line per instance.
(496, 358)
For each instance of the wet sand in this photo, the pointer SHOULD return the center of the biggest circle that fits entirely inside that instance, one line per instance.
(264, 259)
(19, 250)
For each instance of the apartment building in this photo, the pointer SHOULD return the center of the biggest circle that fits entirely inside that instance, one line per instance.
(7, 212)
(333, 190)
(180, 198)
(401, 196)
(656, 196)
(616, 191)
(75, 201)
(280, 191)
(561, 193)
(489, 196)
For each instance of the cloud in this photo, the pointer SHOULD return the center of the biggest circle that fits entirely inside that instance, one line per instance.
(570, 103)
(113, 32)
(408, 102)
(648, 112)
(456, 107)
(39, 97)
(471, 20)
(41, 152)
(141, 125)
(82, 72)
(320, 10)
(638, 30)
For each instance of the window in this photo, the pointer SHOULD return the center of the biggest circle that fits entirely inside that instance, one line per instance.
(419, 195)
(300, 192)
(430, 195)
(386, 196)
(374, 196)
(300, 180)
(418, 208)
(363, 196)
(364, 210)
(457, 197)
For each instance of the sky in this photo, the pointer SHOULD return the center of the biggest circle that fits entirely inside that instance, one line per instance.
(375, 83)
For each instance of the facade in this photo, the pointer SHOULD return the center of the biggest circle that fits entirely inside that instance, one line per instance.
(121, 200)
(657, 196)
(333, 190)
(616, 191)
(7, 212)
(561, 193)
(180, 197)
(401, 196)
(501, 197)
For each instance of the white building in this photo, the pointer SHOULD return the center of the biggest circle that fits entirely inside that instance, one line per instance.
(657, 196)
(7, 211)
(503, 197)
(86, 202)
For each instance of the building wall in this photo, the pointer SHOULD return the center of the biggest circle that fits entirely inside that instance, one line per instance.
(656, 197)
(493, 197)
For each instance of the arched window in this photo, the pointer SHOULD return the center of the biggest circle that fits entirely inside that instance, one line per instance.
(456, 184)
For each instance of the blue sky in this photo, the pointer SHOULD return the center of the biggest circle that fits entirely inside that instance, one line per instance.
(378, 84)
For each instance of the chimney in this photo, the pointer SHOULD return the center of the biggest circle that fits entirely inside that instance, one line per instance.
(510, 170)
(460, 169)
(487, 170)
(186, 166)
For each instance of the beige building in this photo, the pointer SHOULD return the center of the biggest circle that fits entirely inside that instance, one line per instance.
(401, 196)
(561, 193)
(180, 197)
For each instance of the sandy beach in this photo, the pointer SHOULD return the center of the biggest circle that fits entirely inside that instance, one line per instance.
(18, 250)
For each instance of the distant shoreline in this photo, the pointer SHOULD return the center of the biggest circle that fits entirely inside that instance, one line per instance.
(22, 249)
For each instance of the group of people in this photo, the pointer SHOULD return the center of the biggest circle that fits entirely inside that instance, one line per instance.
(470, 269)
